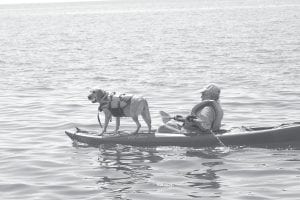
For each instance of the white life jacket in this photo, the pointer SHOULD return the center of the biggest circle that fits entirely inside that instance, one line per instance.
(218, 112)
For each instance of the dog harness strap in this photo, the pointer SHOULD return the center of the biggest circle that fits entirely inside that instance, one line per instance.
(103, 97)
(99, 120)
(100, 108)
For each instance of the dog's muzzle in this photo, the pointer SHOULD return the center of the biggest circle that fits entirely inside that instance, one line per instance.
(92, 98)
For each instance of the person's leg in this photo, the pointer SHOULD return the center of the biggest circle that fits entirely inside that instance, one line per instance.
(169, 127)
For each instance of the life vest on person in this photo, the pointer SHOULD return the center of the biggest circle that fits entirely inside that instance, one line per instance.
(218, 112)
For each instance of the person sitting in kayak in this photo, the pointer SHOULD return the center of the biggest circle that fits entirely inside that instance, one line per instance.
(206, 116)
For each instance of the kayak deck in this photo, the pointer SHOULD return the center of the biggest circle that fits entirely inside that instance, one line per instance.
(282, 136)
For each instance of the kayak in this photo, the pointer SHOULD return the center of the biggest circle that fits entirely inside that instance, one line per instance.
(282, 136)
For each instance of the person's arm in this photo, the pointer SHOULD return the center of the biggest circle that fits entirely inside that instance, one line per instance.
(207, 117)
(204, 120)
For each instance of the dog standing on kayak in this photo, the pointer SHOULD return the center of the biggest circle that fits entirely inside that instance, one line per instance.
(121, 106)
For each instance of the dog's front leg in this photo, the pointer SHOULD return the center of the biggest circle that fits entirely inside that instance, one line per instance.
(117, 124)
(107, 118)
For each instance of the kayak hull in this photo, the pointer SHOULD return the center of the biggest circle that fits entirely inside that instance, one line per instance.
(284, 136)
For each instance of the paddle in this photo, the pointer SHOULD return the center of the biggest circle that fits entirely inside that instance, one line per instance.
(167, 117)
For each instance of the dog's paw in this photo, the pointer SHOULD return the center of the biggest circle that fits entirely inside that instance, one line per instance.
(135, 133)
(101, 133)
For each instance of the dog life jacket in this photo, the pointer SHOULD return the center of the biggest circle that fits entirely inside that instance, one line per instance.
(216, 107)
(118, 111)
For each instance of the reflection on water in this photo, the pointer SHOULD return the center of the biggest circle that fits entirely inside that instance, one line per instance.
(130, 162)
(126, 158)
(208, 179)
(125, 172)
(151, 167)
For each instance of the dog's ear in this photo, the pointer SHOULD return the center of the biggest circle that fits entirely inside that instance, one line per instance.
(99, 94)
(92, 90)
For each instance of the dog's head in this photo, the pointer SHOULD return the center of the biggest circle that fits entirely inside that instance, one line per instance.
(96, 95)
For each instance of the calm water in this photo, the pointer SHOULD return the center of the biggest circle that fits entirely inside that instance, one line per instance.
(51, 55)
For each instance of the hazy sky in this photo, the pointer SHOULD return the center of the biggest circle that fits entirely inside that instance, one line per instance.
(39, 1)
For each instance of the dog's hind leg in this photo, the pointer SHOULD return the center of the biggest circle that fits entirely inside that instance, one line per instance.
(136, 120)
(147, 119)
(146, 116)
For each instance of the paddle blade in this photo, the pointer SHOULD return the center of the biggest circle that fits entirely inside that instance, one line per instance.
(165, 117)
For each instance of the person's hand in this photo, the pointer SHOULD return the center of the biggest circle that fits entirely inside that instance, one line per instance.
(178, 117)
(190, 118)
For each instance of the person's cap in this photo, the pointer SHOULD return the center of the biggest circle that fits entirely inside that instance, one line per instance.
(212, 90)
